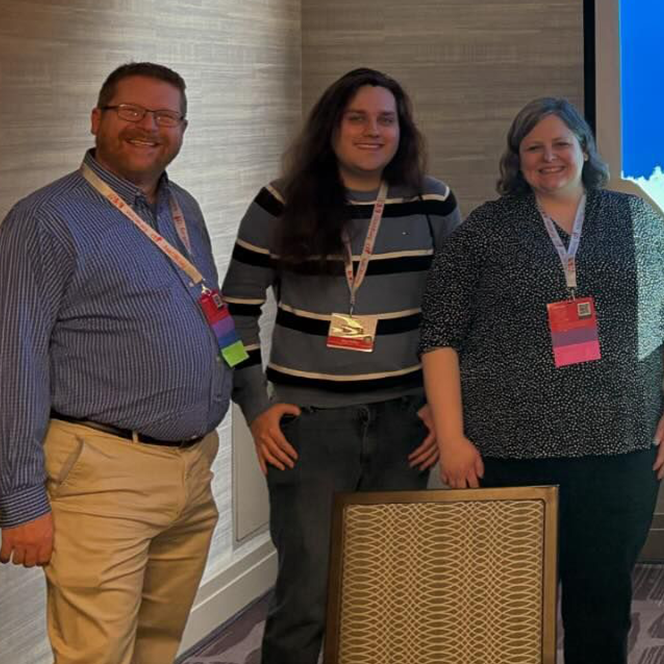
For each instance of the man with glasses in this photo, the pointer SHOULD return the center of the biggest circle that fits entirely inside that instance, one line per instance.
(114, 378)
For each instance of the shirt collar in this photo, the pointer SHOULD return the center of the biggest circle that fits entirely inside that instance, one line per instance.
(128, 191)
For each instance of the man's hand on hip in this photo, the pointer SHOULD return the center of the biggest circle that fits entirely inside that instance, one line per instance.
(29, 544)
(271, 444)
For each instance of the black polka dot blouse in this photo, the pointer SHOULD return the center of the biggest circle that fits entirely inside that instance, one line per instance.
(487, 296)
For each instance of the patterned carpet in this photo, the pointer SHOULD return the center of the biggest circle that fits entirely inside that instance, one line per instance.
(238, 642)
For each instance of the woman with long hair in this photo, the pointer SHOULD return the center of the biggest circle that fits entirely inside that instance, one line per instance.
(344, 239)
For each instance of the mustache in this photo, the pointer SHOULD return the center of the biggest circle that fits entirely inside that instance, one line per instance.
(137, 134)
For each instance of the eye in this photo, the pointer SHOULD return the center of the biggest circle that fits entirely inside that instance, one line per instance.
(133, 111)
(387, 120)
(355, 118)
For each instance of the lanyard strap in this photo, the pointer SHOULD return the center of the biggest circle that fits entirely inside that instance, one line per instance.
(567, 256)
(126, 209)
(180, 223)
(355, 280)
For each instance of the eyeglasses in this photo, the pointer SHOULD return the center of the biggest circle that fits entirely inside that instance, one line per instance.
(134, 113)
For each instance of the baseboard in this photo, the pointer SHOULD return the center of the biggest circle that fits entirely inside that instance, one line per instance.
(230, 591)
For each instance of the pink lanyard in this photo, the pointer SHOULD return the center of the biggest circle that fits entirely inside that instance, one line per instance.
(180, 225)
(355, 281)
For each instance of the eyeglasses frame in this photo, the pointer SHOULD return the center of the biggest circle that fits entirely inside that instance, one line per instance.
(155, 114)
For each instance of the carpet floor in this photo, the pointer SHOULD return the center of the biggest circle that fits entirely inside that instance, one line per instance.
(238, 641)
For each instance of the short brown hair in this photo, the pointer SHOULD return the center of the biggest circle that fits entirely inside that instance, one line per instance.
(147, 69)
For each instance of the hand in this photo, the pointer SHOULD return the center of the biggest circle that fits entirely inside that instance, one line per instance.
(658, 466)
(426, 454)
(29, 544)
(271, 444)
(460, 464)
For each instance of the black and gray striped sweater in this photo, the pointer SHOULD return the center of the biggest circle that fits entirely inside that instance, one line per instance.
(301, 368)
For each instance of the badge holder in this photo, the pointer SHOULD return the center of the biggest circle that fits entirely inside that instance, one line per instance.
(220, 321)
(573, 325)
(352, 332)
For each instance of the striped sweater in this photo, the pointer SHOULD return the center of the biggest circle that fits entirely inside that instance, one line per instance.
(301, 368)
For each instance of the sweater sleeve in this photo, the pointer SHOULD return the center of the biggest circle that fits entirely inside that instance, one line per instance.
(250, 274)
(442, 210)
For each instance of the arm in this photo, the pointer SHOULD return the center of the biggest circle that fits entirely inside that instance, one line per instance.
(250, 274)
(444, 217)
(446, 317)
(34, 269)
(461, 464)
(658, 440)
(645, 216)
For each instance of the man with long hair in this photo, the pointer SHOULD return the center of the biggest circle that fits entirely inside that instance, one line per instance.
(345, 240)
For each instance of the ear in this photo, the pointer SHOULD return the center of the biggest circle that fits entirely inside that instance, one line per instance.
(184, 125)
(95, 120)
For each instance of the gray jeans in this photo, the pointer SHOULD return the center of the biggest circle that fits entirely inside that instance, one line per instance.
(355, 448)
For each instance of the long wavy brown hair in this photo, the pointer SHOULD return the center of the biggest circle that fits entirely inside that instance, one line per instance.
(315, 211)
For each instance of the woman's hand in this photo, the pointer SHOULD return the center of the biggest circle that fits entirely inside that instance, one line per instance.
(271, 444)
(426, 454)
(658, 466)
(460, 464)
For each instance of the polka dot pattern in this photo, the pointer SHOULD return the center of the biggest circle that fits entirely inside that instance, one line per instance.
(486, 297)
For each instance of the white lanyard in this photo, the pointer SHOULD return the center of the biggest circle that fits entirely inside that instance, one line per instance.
(567, 256)
(355, 281)
(117, 202)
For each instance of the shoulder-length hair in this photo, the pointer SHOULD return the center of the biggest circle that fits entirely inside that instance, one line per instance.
(595, 172)
(315, 210)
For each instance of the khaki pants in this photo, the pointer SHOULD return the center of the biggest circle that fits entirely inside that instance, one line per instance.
(133, 525)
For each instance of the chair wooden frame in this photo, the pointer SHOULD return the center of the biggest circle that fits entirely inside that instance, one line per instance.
(548, 496)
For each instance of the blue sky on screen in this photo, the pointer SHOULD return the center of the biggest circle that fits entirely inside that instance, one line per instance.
(642, 38)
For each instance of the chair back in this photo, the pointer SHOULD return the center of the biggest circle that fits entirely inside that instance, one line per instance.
(443, 577)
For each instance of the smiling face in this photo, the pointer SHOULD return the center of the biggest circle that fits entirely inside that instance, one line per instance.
(138, 151)
(552, 159)
(367, 137)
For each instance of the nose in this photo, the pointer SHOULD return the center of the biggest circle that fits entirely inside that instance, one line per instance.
(549, 153)
(371, 127)
(148, 121)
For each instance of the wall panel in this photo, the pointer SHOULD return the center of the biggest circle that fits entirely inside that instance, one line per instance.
(251, 68)
(468, 65)
(242, 65)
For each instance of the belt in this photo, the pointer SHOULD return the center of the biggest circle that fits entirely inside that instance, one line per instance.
(125, 433)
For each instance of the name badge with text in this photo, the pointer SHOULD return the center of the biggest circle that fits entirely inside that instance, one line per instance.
(573, 325)
(352, 332)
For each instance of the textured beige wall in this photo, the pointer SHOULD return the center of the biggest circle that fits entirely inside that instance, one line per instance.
(469, 66)
(242, 64)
